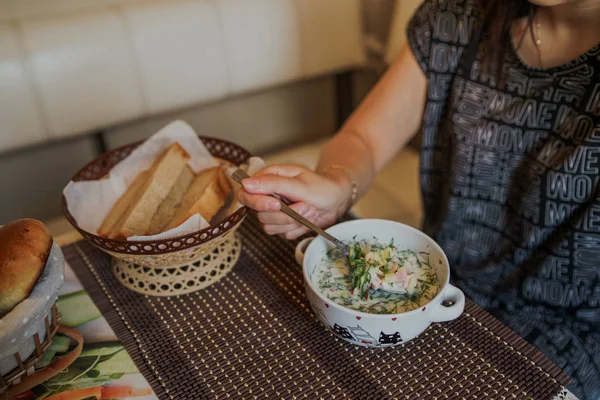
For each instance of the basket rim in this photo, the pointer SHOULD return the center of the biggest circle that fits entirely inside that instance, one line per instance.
(117, 246)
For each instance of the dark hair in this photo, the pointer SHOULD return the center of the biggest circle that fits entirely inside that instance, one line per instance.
(498, 19)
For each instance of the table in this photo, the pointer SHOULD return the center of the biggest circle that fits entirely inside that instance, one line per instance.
(292, 351)
(97, 330)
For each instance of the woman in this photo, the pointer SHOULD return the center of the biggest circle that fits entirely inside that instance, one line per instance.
(507, 95)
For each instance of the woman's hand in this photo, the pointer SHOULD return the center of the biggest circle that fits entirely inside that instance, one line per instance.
(384, 122)
(320, 199)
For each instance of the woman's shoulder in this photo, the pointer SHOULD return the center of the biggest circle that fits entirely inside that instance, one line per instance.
(440, 30)
(454, 7)
(448, 19)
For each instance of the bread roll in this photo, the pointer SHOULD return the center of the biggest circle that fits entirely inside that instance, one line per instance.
(24, 248)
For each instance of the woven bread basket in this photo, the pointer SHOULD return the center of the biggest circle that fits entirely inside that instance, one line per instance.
(176, 265)
(26, 332)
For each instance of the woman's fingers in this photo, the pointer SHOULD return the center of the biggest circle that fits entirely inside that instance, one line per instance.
(282, 170)
(277, 223)
(258, 202)
(291, 188)
(279, 229)
(279, 218)
(296, 233)
(274, 218)
(285, 181)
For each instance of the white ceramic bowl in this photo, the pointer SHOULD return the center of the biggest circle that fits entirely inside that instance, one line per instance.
(379, 330)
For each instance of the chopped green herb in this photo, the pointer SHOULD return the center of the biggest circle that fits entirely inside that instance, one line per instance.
(350, 285)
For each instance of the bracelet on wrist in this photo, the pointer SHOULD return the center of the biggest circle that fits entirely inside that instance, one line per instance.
(353, 185)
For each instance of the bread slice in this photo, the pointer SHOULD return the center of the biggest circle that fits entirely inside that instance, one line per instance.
(172, 203)
(206, 196)
(133, 213)
(124, 204)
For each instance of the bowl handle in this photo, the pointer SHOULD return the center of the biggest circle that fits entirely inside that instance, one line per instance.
(301, 248)
(443, 313)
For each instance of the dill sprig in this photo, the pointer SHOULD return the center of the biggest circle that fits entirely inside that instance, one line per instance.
(360, 270)
(349, 284)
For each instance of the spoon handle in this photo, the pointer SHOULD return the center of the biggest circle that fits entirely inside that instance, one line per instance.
(289, 211)
(240, 175)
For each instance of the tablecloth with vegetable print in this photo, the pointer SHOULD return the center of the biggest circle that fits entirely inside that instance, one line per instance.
(103, 370)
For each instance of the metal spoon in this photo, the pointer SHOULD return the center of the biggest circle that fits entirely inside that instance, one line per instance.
(240, 175)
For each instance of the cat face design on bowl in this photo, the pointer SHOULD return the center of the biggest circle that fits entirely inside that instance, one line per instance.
(379, 330)
(357, 335)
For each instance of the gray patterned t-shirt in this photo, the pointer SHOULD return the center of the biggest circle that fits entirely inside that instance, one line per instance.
(509, 179)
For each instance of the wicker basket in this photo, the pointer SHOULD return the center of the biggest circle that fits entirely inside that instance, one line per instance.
(177, 265)
(28, 329)
(27, 366)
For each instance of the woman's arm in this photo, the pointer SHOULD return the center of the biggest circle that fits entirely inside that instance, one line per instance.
(381, 126)
(383, 123)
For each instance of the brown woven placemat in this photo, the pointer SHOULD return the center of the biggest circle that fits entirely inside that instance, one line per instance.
(253, 335)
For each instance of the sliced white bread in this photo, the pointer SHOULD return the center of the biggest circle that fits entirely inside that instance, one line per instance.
(124, 204)
(172, 203)
(133, 213)
(205, 196)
